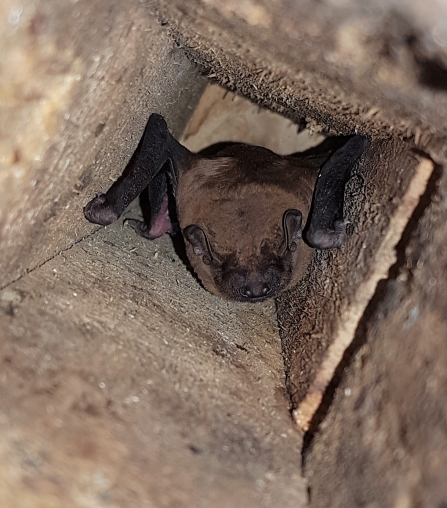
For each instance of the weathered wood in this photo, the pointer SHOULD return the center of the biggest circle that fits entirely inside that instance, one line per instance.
(375, 67)
(77, 83)
(341, 284)
(384, 439)
(124, 383)
(303, 312)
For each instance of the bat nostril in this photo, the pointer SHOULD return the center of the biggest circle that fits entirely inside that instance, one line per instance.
(245, 292)
(255, 291)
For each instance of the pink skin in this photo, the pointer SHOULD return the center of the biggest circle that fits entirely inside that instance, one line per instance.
(162, 223)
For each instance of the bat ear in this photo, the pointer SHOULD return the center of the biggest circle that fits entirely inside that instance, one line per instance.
(199, 241)
(291, 223)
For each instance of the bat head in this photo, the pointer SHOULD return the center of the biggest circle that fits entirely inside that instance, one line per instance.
(243, 226)
(266, 266)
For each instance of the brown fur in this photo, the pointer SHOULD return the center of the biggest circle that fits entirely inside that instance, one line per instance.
(239, 203)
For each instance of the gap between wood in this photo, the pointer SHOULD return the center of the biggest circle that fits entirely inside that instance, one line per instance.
(385, 258)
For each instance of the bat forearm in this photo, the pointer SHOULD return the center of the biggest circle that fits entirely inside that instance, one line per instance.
(156, 147)
(327, 227)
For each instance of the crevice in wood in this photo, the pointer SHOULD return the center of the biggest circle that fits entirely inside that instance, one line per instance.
(351, 316)
(383, 287)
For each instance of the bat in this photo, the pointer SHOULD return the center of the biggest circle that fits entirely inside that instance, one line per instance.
(249, 217)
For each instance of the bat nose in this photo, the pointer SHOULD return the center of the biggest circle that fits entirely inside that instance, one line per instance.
(255, 290)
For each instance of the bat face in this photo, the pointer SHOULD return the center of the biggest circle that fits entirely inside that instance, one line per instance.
(243, 239)
(244, 276)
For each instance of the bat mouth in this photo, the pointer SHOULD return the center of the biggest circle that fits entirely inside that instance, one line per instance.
(255, 300)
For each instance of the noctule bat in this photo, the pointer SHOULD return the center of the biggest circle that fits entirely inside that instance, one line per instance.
(242, 211)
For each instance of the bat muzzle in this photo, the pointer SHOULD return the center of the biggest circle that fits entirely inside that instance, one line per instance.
(254, 286)
(256, 291)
